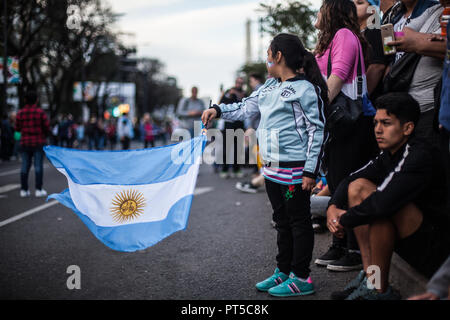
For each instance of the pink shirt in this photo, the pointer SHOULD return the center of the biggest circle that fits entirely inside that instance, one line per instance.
(344, 63)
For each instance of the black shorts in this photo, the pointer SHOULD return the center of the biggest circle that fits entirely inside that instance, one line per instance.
(427, 248)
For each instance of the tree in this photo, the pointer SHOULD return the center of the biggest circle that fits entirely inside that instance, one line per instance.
(291, 17)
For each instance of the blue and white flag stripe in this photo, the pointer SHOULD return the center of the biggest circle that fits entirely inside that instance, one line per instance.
(130, 199)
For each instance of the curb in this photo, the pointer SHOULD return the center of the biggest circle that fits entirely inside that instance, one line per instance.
(405, 278)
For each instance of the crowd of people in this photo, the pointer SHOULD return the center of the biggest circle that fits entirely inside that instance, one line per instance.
(23, 136)
(383, 173)
(95, 134)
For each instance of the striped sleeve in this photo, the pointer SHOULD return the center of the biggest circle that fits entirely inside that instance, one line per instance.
(401, 186)
(248, 108)
(311, 106)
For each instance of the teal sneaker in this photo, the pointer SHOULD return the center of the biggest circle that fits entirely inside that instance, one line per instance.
(350, 287)
(364, 293)
(293, 287)
(277, 278)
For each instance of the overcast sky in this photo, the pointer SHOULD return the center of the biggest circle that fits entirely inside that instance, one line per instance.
(200, 42)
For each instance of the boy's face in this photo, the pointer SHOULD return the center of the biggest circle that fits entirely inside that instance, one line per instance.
(389, 132)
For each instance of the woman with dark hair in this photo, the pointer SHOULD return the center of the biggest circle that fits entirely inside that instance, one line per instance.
(290, 136)
(341, 43)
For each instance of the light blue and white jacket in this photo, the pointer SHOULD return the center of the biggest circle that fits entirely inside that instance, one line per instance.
(292, 122)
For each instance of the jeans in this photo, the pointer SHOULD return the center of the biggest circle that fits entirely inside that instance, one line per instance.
(295, 235)
(28, 153)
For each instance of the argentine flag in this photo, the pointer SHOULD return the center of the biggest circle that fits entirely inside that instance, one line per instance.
(130, 199)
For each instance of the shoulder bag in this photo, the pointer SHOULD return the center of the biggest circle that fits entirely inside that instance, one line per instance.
(343, 112)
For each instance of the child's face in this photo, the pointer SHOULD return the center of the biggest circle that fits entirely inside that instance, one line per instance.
(270, 63)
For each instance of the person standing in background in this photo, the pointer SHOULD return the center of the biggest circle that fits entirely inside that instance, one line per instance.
(33, 124)
(233, 95)
(125, 131)
(190, 110)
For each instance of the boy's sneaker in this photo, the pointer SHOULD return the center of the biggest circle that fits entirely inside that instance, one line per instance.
(318, 224)
(293, 287)
(350, 287)
(350, 261)
(274, 280)
(334, 253)
(24, 193)
(247, 187)
(364, 293)
(40, 193)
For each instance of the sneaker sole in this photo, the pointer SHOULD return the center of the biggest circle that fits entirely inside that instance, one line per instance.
(344, 268)
(292, 294)
(263, 290)
(323, 263)
(246, 190)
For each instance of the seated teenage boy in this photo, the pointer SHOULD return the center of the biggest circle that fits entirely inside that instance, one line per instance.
(394, 203)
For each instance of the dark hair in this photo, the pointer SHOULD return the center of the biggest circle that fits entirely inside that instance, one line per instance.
(30, 97)
(257, 76)
(401, 105)
(338, 14)
(297, 57)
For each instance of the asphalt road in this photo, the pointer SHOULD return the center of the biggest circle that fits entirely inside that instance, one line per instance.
(228, 246)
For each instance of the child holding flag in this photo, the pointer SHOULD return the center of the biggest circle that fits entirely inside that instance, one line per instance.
(290, 135)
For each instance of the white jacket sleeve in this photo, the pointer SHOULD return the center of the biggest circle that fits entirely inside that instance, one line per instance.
(248, 108)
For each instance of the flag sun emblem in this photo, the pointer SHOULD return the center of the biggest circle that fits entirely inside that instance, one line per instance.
(127, 205)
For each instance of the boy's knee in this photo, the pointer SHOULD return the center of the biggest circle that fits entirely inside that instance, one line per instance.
(360, 189)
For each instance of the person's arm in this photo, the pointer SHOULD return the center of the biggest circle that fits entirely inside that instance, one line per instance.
(325, 192)
(240, 110)
(198, 112)
(182, 108)
(371, 171)
(338, 203)
(439, 285)
(374, 74)
(400, 187)
(344, 56)
(309, 105)
(421, 43)
(335, 85)
(377, 59)
(45, 124)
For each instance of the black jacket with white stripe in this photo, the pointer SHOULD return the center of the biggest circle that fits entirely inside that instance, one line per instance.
(413, 174)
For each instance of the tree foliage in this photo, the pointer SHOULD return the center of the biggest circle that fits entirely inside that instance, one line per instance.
(52, 56)
(290, 16)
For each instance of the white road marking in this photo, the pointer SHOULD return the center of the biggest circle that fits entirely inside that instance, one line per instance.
(16, 171)
(9, 187)
(27, 213)
(202, 190)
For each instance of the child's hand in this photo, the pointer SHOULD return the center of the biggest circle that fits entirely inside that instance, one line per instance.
(308, 183)
(208, 115)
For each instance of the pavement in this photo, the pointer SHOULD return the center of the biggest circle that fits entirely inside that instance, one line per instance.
(227, 247)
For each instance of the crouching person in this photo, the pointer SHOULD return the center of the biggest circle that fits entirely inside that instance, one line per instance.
(394, 203)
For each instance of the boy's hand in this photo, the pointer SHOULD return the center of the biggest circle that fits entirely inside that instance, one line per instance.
(333, 216)
(208, 115)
